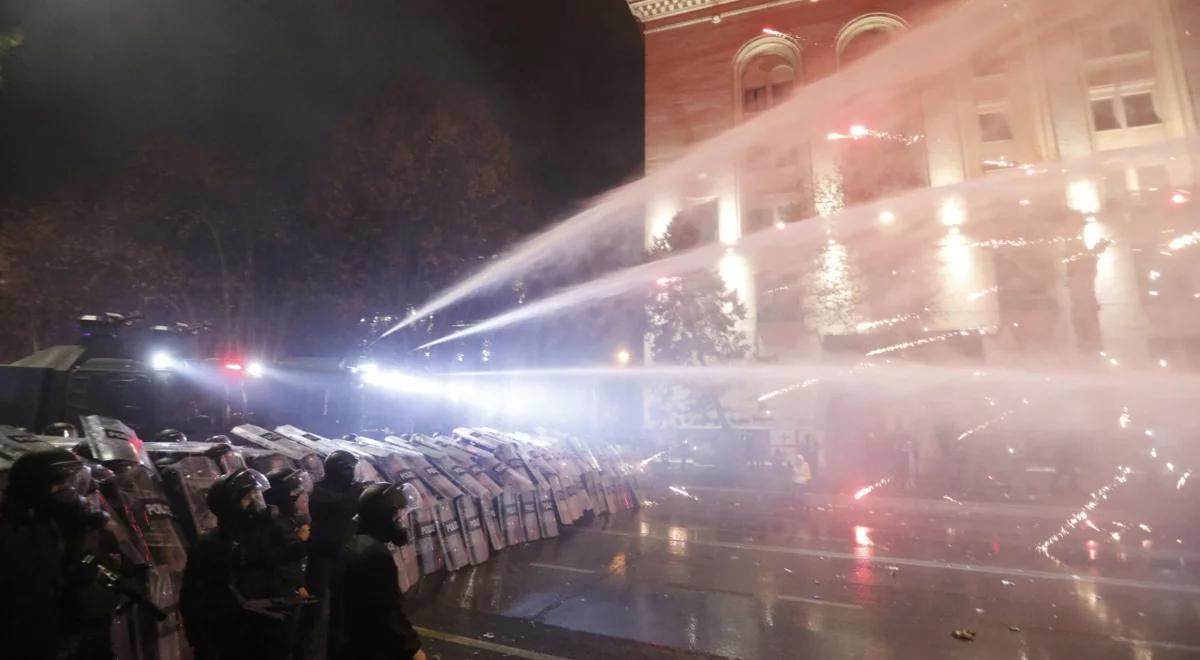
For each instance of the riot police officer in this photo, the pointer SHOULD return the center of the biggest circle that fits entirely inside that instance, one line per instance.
(230, 569)
(289, 495)
(44, 526)
(367, 620)
(333, 504)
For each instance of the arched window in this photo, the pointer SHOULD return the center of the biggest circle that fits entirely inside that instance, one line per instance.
(764, 74)
(866, 34)
(872, 166)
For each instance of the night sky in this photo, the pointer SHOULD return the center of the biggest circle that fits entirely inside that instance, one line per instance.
(95, 79)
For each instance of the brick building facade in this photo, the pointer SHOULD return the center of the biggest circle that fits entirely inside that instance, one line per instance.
(1107, 82)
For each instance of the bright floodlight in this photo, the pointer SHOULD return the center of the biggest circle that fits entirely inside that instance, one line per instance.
(367, 368)
(623, 357)
(256, 369)
(161, 361)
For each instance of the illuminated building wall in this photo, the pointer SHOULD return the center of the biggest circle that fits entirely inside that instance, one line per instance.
(711, 64)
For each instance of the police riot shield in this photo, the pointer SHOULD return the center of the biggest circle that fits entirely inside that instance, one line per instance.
(306, 458)
(137, 498)
(594, 484)
(541, 499)
(450, 530)
(512, 484)
(482, 497)
(426, 552)
(497, 524)
(562, 503)
(15, 443)
(265, 460)
(186, 481)
(374, 467)
(550, 480)
(466, 503)
(522, 491)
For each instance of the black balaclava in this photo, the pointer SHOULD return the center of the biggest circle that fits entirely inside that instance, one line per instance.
(377, 513)
(339, 469)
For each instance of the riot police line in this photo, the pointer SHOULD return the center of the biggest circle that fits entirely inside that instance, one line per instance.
(458, 497)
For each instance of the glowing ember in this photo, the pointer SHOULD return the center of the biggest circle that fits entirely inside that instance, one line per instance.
(790, 388)
(921, 342)
(681, 491)
(1185, 241)
(972, 297)
(651, 459)
(863, 492)
(866, 326)
(1078, 518)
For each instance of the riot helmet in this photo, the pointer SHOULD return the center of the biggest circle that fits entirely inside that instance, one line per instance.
(170, 435)
(339, 467)
(380, 510)
(238, 496)
(61, 430)
(289, 490)
(220, 439)
(53, 483)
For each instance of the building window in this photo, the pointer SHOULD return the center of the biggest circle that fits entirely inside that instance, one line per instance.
(1121, 78)
(1104, 115)
(993, 126)
(754, 99)
(1139, 110)
(765, 70)
(767, 81)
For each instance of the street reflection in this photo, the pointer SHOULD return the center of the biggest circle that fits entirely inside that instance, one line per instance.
(678, 541)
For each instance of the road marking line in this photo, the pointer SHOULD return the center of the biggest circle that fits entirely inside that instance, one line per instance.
(923, 563)
(1170, 646)
(817, 601)
(485, 645)
(556, 567)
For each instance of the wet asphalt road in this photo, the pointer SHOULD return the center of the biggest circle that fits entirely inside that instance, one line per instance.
(749, 574)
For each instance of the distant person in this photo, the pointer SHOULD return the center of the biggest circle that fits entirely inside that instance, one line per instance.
(812, 450)
(905, 452)
(953, 462)
(801, 477)
(367, 621)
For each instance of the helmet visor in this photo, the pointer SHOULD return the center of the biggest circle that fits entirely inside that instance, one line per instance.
(71, 475)
(298, 483)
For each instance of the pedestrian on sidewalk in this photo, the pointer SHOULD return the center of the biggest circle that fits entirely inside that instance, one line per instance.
(812, 451)
(801, 476)
(905, 454)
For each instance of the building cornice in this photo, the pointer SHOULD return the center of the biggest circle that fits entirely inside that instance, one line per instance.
(655, 14)
(653, 10)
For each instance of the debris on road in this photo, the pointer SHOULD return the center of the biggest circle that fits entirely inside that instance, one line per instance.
(1014, 629)
(963, 635)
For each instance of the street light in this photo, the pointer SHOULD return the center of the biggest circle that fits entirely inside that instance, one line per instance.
(623, 357)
